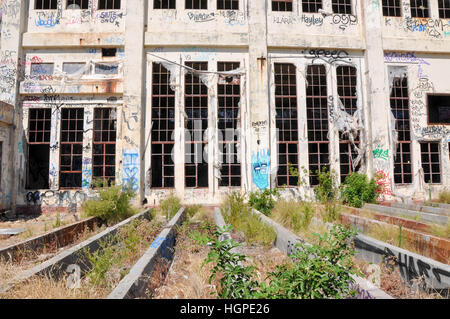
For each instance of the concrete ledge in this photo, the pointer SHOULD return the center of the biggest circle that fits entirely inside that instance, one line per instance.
(135, 283)
(286, 241)
(433, 218)
(63, 236)
(419, 208)
(56, 266)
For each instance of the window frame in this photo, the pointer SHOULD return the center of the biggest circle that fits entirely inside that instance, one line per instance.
(395, 7)
(428, 108)
(106, 2)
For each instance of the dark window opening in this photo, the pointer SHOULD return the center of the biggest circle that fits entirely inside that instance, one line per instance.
(71, 151)
(286, 123)
(104, 145)
(229, 97)
(163, 118)
(196, 4)
(196, 108)
(399, 101)
(342, 6)
(39, 127)
(311, 6)
(108, 4)
(392, 8)
(227, 4)
(438, 109)
(282, 5)
(77, 4)
(431, 162)
(346, 87)
(109, 52)
(107, 68)
(444, 9)
(317, 121)
(419, 8)
(45, 4)
(164, 4)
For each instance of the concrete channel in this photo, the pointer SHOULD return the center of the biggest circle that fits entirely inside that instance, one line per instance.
(56, 266)
(427, 217)
(286, 241)
(419, 208)
(134, 284)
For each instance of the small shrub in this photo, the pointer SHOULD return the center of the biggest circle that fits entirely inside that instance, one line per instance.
(263, 201)
(327, 189)
(444, 197)
(358, 189)
(102, 260)
(112, 206)
(332, 212)
(170, 206)
(292, 214)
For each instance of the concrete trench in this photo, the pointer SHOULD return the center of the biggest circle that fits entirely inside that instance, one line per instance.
(427, 217)
(56, 267)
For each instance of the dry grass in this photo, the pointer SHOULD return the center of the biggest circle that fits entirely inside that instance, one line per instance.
(440, 231)
(444, 197)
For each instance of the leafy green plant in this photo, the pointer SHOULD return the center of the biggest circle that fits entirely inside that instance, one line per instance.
(170, 206)
(326, 275)
(236, 281)
(58, 221)
(263, 201)
(327, 189)
(358, 189)
(112, 205)
(102, 260)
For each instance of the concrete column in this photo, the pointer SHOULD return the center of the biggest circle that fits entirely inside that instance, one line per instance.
(13, 17)
(133, 113)
(259, 141)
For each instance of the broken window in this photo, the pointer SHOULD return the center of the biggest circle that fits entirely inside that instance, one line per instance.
(106, 68)
(196, 108)
(227, 4)
(73, 67)
(162, 172)
(109, 52)
(286, 123)
(444, 9)
(311, 5)
(77, 4)
(282, 5)
(419, 8)
(399, 101)
(108, 4)
(104, 145)
(45, 4)
(39, 127)
(438, 109)
(40, 69)
(346, 88)
(392, 8)
(431, 162)
(196, 4)
(229, 97)
(164, 4)
(342, 6)
(317, 121)
(71, 152)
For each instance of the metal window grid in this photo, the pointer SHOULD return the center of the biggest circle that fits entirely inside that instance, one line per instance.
(229, 96)
(392, 8)
(227, 4)
(39, 126)
(163, 118)
(342, 6)
(196, 108)
(196, 4)
(317, 120)
(431, 162)
(399, 101)
(311, 6)
(164, 4)
(282, 5)
(45, 4)
(108, 4)
(71, 152)
(286, 123)
(84, 4)
(104, 145)
(444, 9)
(419, 8)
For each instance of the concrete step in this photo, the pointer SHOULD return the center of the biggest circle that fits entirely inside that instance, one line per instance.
(420, 208)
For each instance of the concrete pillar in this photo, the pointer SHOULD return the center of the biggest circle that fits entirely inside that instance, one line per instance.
(260, 169)
(13, 17)
(132, 169)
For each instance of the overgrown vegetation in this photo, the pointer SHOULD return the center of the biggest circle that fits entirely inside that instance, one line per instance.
(358, 189)
(263, 201)
(236, 212)
(170, 206)
(444, 197)
(295, 215)
(112, 205)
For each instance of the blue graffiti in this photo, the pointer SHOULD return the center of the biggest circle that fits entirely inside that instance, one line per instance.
(261, 168)
(131, 169)
(49, 23)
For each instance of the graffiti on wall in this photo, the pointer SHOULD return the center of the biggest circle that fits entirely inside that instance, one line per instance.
(261, 168)
(131, 169)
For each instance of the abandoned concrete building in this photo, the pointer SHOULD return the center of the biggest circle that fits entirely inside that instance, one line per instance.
(200, 97)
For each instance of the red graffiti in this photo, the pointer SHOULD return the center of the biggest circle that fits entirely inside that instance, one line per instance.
(384, 184)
